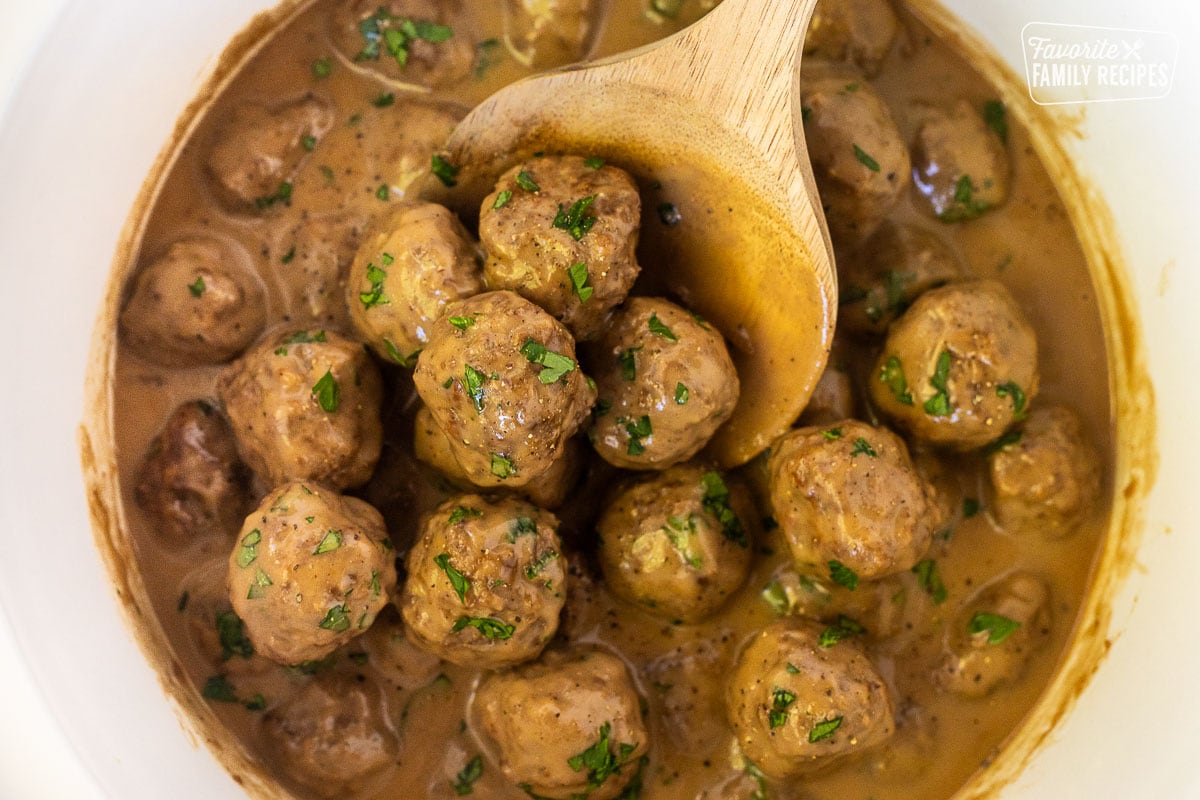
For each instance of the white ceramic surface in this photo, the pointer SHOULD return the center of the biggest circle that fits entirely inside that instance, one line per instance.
(82, 127)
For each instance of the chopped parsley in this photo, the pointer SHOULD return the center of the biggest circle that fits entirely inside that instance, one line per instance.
(282, 195)
(833, 434)
(336, 619)
(535, 567)
(844, 628)
(328, 392)
(462, 323)
(781, 700)
(401, 359)
(823, 730)
(637, 431)
(383, 192)
(970, 507)
(679, 531)
(658, 328)
(502, 198)
(331, 541)
(892, 374)
(248, 549)
(716, 502)
(384, 100)
(965, 207)
(396, 33)
(996, 117)
(862, 446)
(599, 760)
(487, 54)
(997, 626)
(374, 296)
(628, 364)
(220, 689)
(258, 587)
(594, 162)
(464, 782)
(575, 220)
(526, 181)
(197, 288)
(776, 597)
(578, 273)
(555, 366)
(309, 143)
(865, 159)
(322, 68)
(523, 526)
(502, 467)
(232, 634)
(930, 581)
(842, 575)
(1011, 389)
(446, 172)
(681, 394)
(1010, 438)
(669, 214)
(463, 512)
(939, 404)
(459, 582)
(488, 627)
(287, 257)
(473, 381)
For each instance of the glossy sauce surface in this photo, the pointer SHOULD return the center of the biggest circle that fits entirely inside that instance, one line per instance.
(680, 670)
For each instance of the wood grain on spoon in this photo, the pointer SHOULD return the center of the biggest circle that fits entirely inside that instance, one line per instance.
(709, 122)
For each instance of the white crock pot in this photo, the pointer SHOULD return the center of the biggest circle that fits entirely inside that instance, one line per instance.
(89, 92)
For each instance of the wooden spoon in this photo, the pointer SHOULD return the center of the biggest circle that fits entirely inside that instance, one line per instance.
(708, 122)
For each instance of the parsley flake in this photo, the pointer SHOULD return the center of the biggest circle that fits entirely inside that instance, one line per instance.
(488, 627)
(331, 541)
(526, 181)
(781, 700)
(555, 366)
(502, 198)
(892, 374)
(575, 220)
(842, 575)
(446, 172)
(930, 581)
(863, 447)
(716, 502)
(463, 512)
(1011, 389)
(336, 619)
(459, 582)
(865, 159)
(658, 328)
(997, 626)
(681, 394)
(248, 549)
(197, 288)
(328, 392)
(823, 730)
(473, 382)
(939, 404)
(578, 273)
(502, 467)
(844, 628)
(464, 782)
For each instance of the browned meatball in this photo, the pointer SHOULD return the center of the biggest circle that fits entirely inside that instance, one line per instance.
(428, 43)
(416, 261)
(305, 405)
(960, 166)
(486, 582)
(566, 726)
(859, 31)
(859, 159)
(959, 366)
(990, 641)
(848, 493)
(797, 706)
(677, 542)
(562, 231)
(1048, 479)
(549, 491)
(198, 303)
(500, 378)
(888, 272)
(666, 383)
(192, 483)
(333, 734)
(321, 249)
(551, 33)
(309, 572)
(256, 154)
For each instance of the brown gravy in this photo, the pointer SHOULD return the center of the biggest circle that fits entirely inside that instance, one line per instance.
(941, 740)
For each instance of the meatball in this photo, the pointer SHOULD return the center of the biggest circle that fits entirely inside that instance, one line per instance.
(565, 726)
(960, 166)
(192, 483)
(797, 706)
(549, 491)
(1048, 479)
(551, 33)
(666, 383)
(485, 582)
(429, 43)
(198, 303)
(562, 231)
(305, 405)
(500, 379)
(677, 541)
(333, 735)
(321, 248)
(849, 493)
(256, 154)
(888, 272)
(859, 159)
(992, 638)
(833, 396)
(959, 366)
(309, 572)
(415, 262)
(859, 31)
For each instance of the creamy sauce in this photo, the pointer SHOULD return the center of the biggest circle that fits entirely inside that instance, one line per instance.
(941, 739)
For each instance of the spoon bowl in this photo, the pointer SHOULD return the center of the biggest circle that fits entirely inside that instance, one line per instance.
(708, 122)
